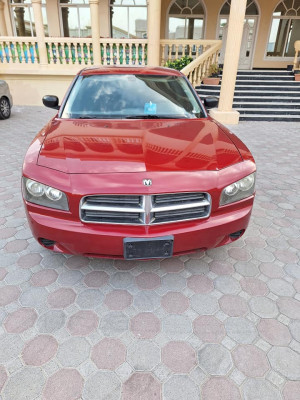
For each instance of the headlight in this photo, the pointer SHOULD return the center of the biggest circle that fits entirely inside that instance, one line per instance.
(43, 195)
(238, 190)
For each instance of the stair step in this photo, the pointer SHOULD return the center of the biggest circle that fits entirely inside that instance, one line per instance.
(263, 83)
(261, 99)
(264, 72)
(244, 93)
(265, 77)
(258, 105)
(270, 117)
(265, 111)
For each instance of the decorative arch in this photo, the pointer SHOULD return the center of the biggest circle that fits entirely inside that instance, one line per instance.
(186, 19)
(284, 29)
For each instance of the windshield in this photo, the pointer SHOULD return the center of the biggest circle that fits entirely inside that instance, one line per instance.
(132, 96)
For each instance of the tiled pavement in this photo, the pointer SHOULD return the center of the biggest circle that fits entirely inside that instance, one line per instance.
(224, 324)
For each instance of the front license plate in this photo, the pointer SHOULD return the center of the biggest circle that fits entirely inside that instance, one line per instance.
(138, 249)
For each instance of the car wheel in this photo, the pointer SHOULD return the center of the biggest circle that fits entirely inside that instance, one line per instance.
(4, 108)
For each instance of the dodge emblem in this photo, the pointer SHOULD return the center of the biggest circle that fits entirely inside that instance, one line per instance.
(147, 182)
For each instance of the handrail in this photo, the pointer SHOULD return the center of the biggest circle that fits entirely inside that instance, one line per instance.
(198, 69)
(297, 50)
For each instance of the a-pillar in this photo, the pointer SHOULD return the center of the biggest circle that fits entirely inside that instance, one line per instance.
(3, 29)
(40, 32)
(225, 114)
(153, 29)
(94, 6)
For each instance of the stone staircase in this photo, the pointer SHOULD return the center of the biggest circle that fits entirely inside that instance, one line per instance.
(262, 95)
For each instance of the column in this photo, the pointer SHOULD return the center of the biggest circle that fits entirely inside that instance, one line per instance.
(225, 114)
(39, 29)
(153, 28)
(94, 6)
(3, 29)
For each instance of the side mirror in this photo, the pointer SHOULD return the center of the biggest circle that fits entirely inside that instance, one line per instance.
(211, 102)
(51, 102)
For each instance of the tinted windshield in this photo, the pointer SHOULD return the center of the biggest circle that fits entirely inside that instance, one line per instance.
(132, 96)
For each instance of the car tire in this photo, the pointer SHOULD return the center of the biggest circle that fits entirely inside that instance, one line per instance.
(4, 108)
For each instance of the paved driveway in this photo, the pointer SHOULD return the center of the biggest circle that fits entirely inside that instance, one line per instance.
(224, 324)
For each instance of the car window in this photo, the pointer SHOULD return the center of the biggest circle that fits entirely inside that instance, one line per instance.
(132, 96)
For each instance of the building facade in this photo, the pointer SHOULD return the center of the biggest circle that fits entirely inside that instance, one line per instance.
(47, 40)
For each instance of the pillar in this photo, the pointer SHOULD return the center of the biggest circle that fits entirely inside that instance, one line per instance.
(3, 29)
(94, 6)
(225, 114)
(39, 29)
(153, 31)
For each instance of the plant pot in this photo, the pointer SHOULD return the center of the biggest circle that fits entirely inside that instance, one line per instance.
(211, 81)
(297, 77)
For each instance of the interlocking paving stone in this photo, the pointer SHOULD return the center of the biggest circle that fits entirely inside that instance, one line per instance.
(254, 389)
(73, 352)
(10, 347)
(82, 323)
(263, 307)
(114, 323)
(26, 384)
(65, 384)
(241, 330)
(39, 350)
(177, 327)
(248, 291)
(209, 329)
(291, 391)
(180, 387)
(145, 325)
(20, 320)
(274, 332)
(180, 357)
(250, 360)
(215, 359)
(286, 362)
(51, 321)
(143, 355)
(141, 386)
(109, 354)
(220, 388)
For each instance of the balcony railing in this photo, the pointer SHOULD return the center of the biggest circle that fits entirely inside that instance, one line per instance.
(73, 51)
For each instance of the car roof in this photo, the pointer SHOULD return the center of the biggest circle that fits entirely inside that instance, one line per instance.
(123, 69)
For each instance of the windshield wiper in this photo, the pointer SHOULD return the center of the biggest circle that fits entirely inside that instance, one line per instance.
(87, 117)
(154, 116)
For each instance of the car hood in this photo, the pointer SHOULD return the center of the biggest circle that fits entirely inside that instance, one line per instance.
(116, 146)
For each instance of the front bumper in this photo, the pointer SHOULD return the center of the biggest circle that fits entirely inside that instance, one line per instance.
(75, 237)
(105, 240)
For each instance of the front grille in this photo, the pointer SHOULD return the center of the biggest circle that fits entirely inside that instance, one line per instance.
(145, 209)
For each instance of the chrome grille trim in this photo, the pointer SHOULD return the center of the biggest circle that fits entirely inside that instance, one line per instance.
(144, 209)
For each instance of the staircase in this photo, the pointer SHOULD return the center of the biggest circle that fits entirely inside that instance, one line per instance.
(262, 95)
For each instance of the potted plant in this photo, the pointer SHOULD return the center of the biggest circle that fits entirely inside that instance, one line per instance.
(297, 74)
(213, 75)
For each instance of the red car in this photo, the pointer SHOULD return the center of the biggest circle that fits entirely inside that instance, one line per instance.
(133, 167)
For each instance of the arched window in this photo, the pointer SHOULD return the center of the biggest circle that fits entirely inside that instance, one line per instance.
(128, 18)
(186, 19)
(75, 16)
(23, 18)
(285, 29)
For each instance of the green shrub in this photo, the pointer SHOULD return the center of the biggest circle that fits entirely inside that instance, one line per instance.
(179, 63)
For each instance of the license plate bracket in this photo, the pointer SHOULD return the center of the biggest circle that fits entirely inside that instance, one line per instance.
(144, 248)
